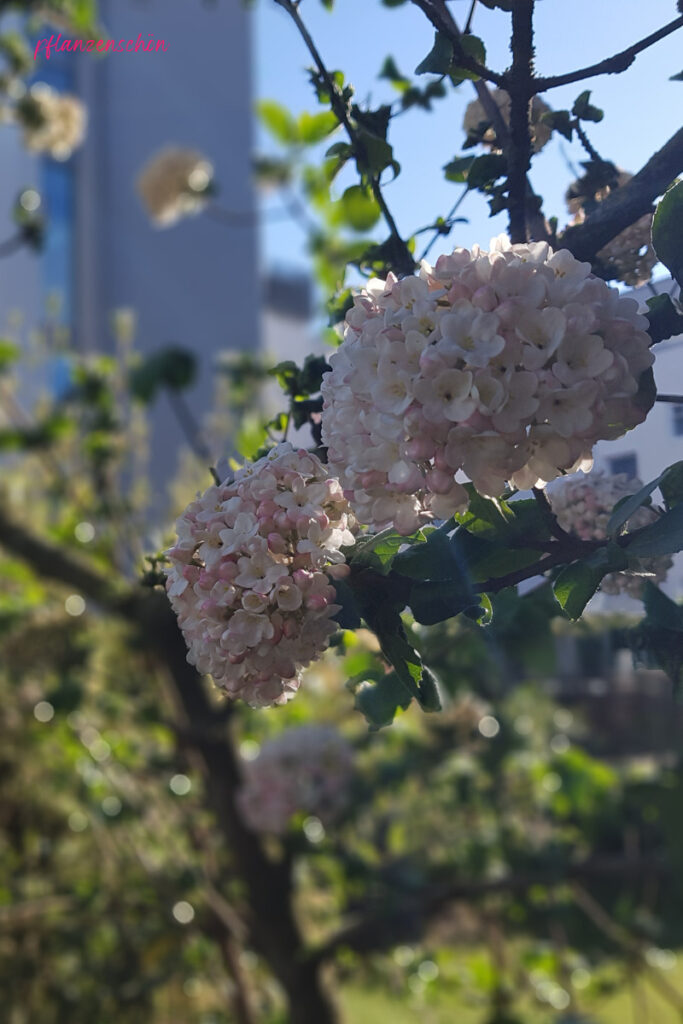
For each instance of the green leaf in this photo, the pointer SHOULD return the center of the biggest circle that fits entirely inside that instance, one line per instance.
(432, 602)
(486, 170)
(577, 583)
(377, 551)
(376, 154)
(661, 610)
(458, 168)
(349, 617)
(430, 698)
(664, 319)
(560, 121)
(667, 231)
(473, 47)
(433, 559)
(663, 537)
(389, 71)
(360, 208)
(438, 60)
(9, 354)
(585, 110)
(671, 485)
(627, 506)
(278, 120)
(380, 701)
(314, 128)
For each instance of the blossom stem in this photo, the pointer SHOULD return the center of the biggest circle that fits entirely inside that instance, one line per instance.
(611, 65)
(451, 213)
(674, 399)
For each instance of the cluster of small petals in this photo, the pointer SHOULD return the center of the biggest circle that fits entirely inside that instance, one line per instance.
(306, 770)
(629, 257)
(52, 122)
(249, 574)
(583, 506)
(504, 367)
(477, 119)
(174, 184)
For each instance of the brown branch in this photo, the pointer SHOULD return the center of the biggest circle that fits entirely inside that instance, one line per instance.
(611, 65)
(520, 88)
(625, 205)
(406, 263)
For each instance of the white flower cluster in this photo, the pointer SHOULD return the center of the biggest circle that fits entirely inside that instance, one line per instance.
(583, 507)
(476, 116)
(248, 574)
(306, 770)
(173, 184)
(502, 367)
(53, 122)
(630, 256)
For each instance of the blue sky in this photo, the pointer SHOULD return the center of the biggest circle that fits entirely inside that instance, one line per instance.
(642, 107)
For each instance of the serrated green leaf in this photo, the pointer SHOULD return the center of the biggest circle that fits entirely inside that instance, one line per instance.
(458, 168)
(349, 616)
(664, 319)
(437, 601)
(9, 354)
(278, 120)
(360, 209)
(313, 128)
(380, 701)
(434, 559)
(578, 582)
(585, 110)
(391, 73)
(627, 506)
(560, 121)
(667, 231)
(485, 170)
(663, 537)
(438, 60)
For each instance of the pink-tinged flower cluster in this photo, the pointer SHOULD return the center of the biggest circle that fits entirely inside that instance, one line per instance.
(306, 770)
(249, 574)
(583, 506)
(501, 367)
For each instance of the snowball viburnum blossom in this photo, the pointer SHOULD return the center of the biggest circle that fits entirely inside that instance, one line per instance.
(52, 122)
(249, 574)
(306, 770)
(583, 506)
(504, 366)
(476, 118)
(173, 184)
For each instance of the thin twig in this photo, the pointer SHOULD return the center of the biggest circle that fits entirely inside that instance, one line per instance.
(673, 399)
(470, 16)
(612, 65)
(451, 213)
(406, 263)
(586, 142)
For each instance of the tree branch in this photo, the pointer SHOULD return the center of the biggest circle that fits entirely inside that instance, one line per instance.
(625, 205)
(520, 88)
(611, 65)
(340, 108)
(408, 920)
(441, 19)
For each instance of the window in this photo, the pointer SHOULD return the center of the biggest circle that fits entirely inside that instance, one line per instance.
(677, 415)
(626, 464)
